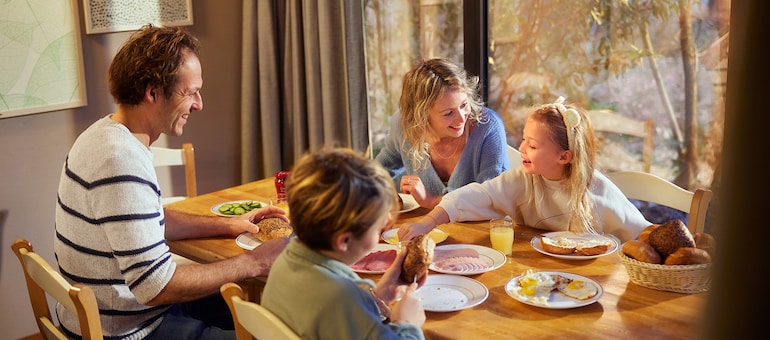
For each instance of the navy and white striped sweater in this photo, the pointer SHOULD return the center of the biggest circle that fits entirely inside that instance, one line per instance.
(110, 230)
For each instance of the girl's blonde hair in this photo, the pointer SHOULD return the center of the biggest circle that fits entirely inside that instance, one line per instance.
(335, 190)
(579, 172)
(425, 83)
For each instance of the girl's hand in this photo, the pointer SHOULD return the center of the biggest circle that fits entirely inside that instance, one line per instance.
(408, 231)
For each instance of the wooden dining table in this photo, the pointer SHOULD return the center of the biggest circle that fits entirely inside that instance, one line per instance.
(625, 310)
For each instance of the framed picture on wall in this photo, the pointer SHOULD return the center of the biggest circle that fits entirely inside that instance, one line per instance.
(103, 16)
(42, 57)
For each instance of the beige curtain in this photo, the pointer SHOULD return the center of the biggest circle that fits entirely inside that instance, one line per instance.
(303, 82)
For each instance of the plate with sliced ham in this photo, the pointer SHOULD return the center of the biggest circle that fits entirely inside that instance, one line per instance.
(466, 259)
(377, 260)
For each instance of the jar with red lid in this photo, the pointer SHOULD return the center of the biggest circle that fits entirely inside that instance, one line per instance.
(280, 184)
(280, 191)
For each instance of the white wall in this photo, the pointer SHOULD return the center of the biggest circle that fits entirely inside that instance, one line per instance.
(33, 147)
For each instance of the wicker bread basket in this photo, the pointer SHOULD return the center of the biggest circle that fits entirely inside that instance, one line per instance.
(687, 279)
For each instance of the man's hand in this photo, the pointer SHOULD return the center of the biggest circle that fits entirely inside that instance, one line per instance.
(247, 222)
(264, 255)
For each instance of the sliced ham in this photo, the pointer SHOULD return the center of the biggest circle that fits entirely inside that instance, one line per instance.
(443, 254)
(462, 264)
(378, 260)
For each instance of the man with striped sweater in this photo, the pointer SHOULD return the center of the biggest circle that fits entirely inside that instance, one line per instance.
(111, 228)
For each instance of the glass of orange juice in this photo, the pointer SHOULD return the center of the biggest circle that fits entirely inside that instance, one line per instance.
(501, 234)
(281, 202)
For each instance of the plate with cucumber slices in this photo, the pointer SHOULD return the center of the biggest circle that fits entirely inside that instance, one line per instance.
(235, 208)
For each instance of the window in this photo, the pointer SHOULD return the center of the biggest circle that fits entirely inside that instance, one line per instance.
(398, 33)
(602, 55)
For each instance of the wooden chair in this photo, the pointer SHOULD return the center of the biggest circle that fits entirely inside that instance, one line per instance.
(515, 156)
(647, 187)
(165, 157)
(609, 121)
(168, 157)
(42, 279)
(251, 319)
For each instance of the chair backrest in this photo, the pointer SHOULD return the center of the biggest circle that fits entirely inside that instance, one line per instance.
(647, 187)
(42, 279)
(251, 319)
(164, 157)
(514, 156)
(609, 121)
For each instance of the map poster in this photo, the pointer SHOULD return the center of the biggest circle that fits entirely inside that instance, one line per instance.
(41, 62)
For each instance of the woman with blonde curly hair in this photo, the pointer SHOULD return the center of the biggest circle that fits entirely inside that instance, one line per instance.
(556, 188)
(443, 137)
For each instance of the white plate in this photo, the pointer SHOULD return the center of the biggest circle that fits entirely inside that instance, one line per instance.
(409, 203)
(378, 247)
(449, 293)
(557, 300)
(576, 256)
(247, 241)
(391, 235)
(215, 209)
(494, 258)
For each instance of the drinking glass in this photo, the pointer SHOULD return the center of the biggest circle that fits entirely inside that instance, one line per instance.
(281, 202)
(501, 234)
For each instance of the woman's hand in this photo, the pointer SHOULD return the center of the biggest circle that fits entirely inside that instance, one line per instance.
(413, 185)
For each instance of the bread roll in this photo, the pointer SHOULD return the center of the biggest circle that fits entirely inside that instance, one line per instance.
(272, 228)
(641, 251)
(670, 236)
(419, 256)
(704, 241)
(558, 245)
(644, 236)
(688, 255)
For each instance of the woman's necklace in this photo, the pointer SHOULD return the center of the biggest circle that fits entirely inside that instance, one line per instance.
(457, 147)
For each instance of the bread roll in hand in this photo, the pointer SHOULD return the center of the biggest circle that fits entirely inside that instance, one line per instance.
(272, 228)
(419, 256)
